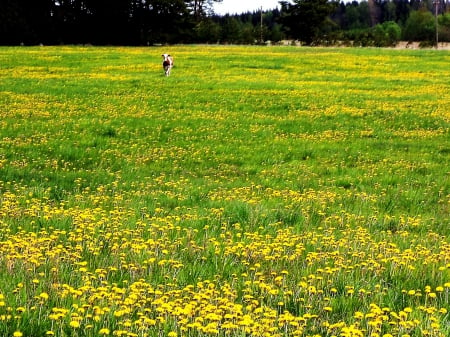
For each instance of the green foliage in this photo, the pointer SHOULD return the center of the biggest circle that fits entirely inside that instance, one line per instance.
(387, 34)
(444, 27)
(357, 16)
(420, 26)
(304, 18)
(208, 31)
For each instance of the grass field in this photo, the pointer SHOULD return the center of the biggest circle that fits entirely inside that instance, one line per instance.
(257, 191)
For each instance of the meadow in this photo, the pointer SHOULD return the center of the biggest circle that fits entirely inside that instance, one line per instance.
(257, 191)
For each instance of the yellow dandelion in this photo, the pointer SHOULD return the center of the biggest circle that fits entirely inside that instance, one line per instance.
(74, 324)
(359, 315)
(20, 309)
(104, 331)
(17, 334)
(432, 295)
(43, 296)
(435, 326)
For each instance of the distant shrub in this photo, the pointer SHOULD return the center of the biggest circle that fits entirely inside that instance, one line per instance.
(420, 26)
(360, 37)
(386, 34)
(444, 27)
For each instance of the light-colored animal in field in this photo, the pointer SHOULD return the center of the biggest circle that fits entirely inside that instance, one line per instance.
(167, 63)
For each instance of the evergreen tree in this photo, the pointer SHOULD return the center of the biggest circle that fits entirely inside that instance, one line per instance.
(304, 18)
(25, 21)
(420, 26)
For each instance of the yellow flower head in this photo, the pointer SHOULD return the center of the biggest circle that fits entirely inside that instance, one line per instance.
(104, 331)
(74, 324)
(43, 296)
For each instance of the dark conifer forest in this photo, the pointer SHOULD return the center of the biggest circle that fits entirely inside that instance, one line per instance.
(150, 22)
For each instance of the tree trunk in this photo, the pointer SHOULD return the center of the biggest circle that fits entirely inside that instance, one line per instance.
(373, 9)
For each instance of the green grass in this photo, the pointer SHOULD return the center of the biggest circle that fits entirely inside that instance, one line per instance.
(301, 179)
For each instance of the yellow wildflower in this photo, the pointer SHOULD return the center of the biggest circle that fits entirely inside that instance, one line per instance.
(104, 331)
(74, 324)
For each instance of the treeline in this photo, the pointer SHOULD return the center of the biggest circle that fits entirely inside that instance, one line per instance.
(361, 23)
(148, 22)
(384, 23)
(101, 22)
